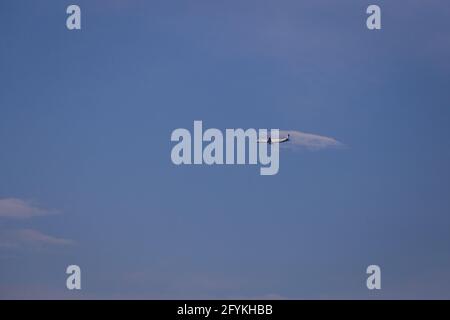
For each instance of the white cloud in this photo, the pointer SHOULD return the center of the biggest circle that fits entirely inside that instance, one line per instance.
(19, 209)
(15, 208)
(302, 140)
(27, 237)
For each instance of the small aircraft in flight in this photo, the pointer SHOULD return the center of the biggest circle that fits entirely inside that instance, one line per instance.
(270, 140)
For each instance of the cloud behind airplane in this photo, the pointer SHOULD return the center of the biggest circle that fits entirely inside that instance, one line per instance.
(310, 141)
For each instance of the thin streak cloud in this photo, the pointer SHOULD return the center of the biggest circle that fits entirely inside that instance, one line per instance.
(14, 208)
(30, 237)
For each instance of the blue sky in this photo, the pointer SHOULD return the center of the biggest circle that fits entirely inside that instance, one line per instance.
(85, 170)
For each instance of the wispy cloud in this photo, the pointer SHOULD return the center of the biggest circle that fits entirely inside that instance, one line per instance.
(20, 209)
(309, 141)
(30, 237)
